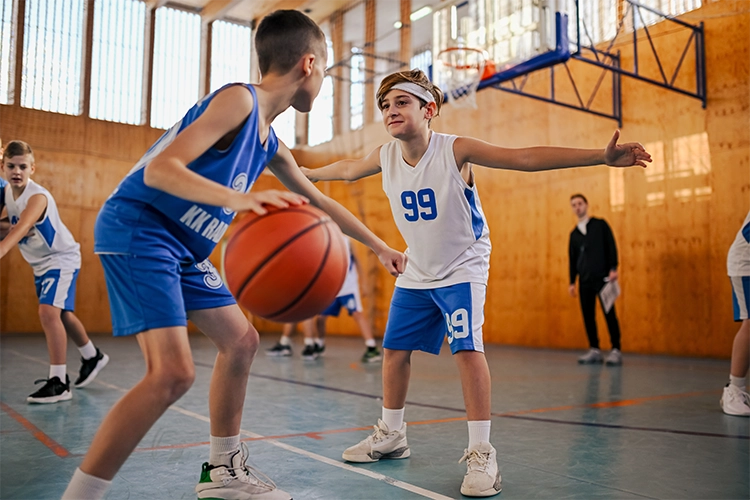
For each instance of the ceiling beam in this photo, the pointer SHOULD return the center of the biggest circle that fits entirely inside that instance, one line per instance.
(216, 9)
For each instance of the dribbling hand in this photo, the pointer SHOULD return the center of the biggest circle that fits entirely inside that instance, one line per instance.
(625, 155)
(253, 202)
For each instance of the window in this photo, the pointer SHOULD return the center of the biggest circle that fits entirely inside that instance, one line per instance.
(357, 91)
(52, 56)
(7, 52)
(422, 59)
(176, 65)
(320, 124)
(231, 51)
(117, 61)
(285, 127)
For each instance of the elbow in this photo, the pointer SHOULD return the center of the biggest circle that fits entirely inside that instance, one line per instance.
(152, 176)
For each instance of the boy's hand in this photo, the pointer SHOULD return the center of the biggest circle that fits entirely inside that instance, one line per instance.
(625, 155)
(393, 261)
(253, 202)
(572, 290)
(309, 173)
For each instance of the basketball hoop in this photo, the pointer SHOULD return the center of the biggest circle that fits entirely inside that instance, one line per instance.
(459, 71)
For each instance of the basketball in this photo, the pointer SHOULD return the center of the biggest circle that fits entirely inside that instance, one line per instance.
(287, 265)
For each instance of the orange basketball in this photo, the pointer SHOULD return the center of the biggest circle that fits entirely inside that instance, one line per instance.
(287, 265)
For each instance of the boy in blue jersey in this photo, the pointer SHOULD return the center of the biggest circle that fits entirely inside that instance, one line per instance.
(430, 185)
(155, 233)
(55, 257)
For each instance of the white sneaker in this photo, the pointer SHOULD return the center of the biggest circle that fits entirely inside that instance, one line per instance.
(591, 357)
(482, 477)
(382, 443)
(735, 401)
(238, 482)
(614, 358)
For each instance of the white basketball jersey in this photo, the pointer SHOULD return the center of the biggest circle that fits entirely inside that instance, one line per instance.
(49, 244)
(738, 258)
(351, 282)
(439, 216)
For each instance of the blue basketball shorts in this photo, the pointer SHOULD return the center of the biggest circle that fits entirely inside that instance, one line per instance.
(147, 292)
(57, 287)
(419, 320)
(351, 302)
(740, 297)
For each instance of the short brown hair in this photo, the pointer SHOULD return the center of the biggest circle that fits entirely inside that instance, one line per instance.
(579, 195)
(283, 37)
(414, 76)
(17, 148)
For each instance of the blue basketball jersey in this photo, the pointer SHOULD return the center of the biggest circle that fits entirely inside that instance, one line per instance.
(138, 219)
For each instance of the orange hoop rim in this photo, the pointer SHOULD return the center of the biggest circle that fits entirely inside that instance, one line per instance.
(487, 65)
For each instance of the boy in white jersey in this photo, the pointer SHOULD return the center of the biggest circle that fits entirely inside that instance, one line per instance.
(735, 400)
(428, 179)
(154, 235)
(54, 255)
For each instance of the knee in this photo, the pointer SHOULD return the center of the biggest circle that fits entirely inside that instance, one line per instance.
(173, 380)
(49, 314)
(248, 345)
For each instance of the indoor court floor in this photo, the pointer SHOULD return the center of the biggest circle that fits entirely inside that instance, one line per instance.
(649, 429)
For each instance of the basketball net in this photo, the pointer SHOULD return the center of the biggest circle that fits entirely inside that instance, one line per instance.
(459, 71)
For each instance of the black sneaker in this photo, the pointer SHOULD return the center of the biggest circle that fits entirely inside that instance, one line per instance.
(52, 392)
(371, 355)
(90, 368)
(310, 352)
(320, 349)
(279, 350)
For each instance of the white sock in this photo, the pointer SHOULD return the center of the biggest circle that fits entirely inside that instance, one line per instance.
(309, 341)
(394, 419)
(479, 432)
(57, 371)
(320, 342)
(284, 340)
(86, 486)
(371, 343)
(740, 382)
(222, 449)
(87, 351)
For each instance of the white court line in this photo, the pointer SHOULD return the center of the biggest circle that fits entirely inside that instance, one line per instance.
(320, 458)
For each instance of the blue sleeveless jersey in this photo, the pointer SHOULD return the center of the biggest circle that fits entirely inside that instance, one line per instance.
(140, 220)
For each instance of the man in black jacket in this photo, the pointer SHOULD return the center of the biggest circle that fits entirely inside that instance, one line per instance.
(593, 256)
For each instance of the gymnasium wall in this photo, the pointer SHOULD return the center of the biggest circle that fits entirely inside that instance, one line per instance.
(673, 222)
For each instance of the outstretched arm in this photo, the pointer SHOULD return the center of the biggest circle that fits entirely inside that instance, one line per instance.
(346, 170)
(32, 213)
(534, 159)
(285, 168)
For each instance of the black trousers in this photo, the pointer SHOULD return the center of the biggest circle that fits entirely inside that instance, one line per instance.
(588, 293)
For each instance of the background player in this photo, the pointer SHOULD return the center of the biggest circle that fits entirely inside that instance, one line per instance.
(428, 179)
(54, 255)
(735, 400)
(154, 235)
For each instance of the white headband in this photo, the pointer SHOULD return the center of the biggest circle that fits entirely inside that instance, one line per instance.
(415, 90)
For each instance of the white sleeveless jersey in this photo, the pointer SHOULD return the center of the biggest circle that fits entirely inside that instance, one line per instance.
(49, 244)
(738, 258)
(351, 282)
(439, 216)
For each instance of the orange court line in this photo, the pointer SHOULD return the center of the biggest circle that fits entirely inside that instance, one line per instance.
(607, 404)
(47, 441)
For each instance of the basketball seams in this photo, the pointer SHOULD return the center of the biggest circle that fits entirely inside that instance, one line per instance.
(248, 225)
(275, 252)
(314, 279)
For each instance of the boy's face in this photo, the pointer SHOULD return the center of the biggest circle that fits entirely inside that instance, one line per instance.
(18, 169)
(311, 88)
(402, 114)
(579, 207)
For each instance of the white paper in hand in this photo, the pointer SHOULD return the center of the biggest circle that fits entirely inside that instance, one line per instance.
(608, 294)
